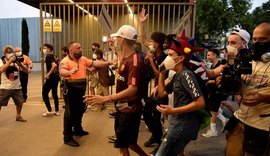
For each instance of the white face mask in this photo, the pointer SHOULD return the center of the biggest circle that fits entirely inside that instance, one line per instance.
(94, 56)
(233, 50)
(44, 51)
(18, 53)
(168, 63)
(117, 46)
(9, 55)
(222, 56)
(151, 48)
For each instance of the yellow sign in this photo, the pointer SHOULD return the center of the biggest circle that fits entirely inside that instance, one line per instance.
(57, 25)
(47, 25)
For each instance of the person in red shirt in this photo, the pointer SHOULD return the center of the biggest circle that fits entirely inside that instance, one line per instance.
(128, 92)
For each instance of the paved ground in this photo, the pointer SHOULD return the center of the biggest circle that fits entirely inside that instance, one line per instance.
(42, 136)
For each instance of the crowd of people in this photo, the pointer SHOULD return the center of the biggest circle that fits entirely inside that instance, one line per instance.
(177, 89)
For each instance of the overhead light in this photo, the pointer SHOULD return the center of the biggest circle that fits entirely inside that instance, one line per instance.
(80, 7)
(129, 9)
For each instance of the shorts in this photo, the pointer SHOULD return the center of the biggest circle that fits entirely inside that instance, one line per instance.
(101, 90)
(215, 102)
(15, 94)
(172, 146)
(94, 82)
(126, 128)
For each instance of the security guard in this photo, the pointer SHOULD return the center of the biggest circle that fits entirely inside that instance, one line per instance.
(73, 69)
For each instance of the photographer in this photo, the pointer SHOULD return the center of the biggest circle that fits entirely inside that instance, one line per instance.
(24, 76)
(237, 40)
(10, 86)
(249, 128)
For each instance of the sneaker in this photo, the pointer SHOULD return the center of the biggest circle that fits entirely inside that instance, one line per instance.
(112, 114)
(56, 113)
(20, 119)
(102, 107)
(72, 143)
(80, 133)
(47, 114)
(151, 143)
(112, 139)
(94, 108)
(210, 134)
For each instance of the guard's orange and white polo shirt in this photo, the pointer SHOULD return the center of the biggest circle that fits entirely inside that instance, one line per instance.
(81, 64)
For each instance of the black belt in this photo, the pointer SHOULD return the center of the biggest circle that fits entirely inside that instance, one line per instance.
(75, 80)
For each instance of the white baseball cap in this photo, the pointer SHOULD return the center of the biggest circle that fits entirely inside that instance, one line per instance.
(242, 33)
(126, 31)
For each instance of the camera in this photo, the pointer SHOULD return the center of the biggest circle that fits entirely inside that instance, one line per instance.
(231, 82)
(19, 57)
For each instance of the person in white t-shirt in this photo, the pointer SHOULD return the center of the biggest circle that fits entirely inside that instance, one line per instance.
(248, 129)
(10, 86)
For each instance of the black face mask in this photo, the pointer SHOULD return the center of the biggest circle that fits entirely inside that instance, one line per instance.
(260, 48)
(79, 55)
(93, 49)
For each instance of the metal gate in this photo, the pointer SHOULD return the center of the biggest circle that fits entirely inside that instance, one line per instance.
(80, 21)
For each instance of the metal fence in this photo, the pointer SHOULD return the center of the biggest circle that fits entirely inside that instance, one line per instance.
(80, 21)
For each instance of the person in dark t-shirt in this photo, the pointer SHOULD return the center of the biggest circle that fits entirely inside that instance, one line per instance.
(51, 83)
(188, 98)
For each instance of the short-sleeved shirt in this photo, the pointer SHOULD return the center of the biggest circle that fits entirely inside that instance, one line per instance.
(103, 75)
(212, 87)
(158, 60)
(259, 81)
(186, 88)
(27, 61)
(10, 78)
(129, 73)
(82, 64)
(50, 58)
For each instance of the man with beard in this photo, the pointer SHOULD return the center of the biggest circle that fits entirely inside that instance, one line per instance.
(73, 70)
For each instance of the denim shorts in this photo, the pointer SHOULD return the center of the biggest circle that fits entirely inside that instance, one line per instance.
(171, 146)
(15, 94)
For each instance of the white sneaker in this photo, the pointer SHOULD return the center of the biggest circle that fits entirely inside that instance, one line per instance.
(210, 134)
(56, 113)
(94, 108)
(46, 114)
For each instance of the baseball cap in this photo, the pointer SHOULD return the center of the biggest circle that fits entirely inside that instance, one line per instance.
(242, 33)
(126, 31)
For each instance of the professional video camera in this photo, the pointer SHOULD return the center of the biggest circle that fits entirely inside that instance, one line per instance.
(231, 75)
(242, 64)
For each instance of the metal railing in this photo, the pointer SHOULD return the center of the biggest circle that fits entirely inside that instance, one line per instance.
(80, 22)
